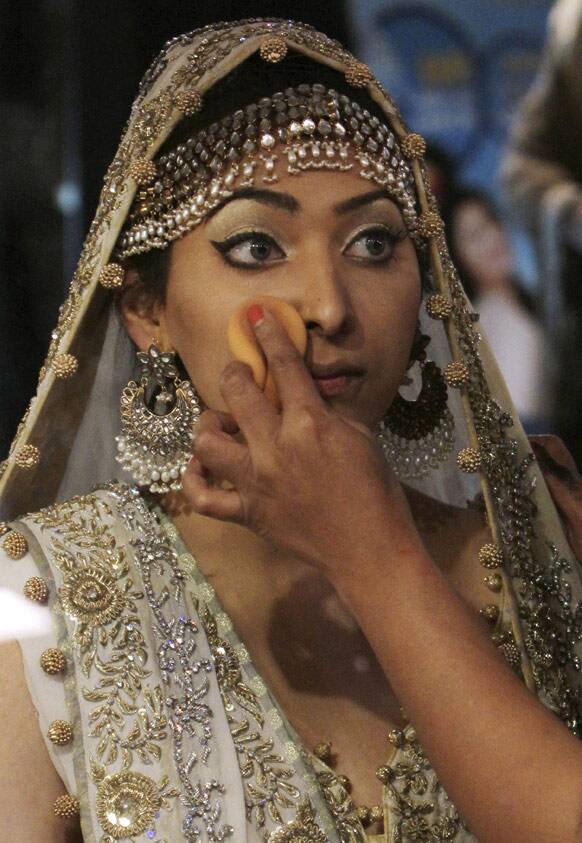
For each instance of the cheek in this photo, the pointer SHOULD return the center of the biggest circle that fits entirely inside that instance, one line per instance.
(196, 327)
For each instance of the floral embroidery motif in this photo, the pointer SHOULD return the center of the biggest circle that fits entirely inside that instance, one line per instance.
(90, 596)
(267, 783)
(342, 808)
(185, 677)
(127, 803)
(303, 829)
(422, 810)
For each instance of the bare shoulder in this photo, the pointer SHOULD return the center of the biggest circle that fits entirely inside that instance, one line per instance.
(29, 783)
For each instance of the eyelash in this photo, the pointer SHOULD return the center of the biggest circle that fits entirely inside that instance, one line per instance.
(393, 236)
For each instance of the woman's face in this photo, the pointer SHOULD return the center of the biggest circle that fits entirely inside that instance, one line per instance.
(331, 245)
(481, 245)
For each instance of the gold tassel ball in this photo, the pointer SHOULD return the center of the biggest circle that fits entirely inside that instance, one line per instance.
(456, 375)
(53, 661)
(60, 732)
(493, 582)
(188, 102)
(36, 590)
(112, 276)
(490, 612)
(15, 545)
(27, 457)
(323, 752)
(413, 145)
(438, 307)
(273, 49)
(358, 74)
(469, 460)
(490, 556)
(430, 224)
(142, 170)
(66, 806)
(65, 365)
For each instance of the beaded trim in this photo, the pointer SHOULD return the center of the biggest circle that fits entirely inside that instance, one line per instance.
(309, 127)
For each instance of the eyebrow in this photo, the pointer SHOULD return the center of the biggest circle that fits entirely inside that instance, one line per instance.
(288, 203)
(266, 197)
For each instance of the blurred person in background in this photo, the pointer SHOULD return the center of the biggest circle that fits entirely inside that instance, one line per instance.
(542, 179)
(482, 253)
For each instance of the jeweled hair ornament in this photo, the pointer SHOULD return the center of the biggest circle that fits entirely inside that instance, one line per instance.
(309, 127)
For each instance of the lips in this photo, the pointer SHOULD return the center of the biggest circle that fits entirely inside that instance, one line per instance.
(335, 378)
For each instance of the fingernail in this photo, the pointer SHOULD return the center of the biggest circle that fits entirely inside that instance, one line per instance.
(255, 315)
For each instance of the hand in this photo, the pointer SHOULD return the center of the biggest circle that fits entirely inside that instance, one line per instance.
(312, 482)
(565, 484)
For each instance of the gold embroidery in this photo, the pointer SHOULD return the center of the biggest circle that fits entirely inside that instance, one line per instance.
(99, 596)
(266, 782)
(303, 829)
(127, 802)
(341, 808)
(410, 780)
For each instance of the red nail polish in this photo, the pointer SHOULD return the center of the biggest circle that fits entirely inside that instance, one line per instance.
(255, 314)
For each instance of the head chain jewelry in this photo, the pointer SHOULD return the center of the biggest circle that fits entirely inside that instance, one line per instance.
(309, 127)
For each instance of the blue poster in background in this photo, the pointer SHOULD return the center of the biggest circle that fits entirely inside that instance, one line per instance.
(456, 69)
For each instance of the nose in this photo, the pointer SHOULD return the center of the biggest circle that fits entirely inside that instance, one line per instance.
(325, 304)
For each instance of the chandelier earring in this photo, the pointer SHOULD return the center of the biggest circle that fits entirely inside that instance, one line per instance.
(417, 435)
(158, 418)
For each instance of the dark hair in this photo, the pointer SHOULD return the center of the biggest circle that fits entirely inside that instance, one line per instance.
(247, 83)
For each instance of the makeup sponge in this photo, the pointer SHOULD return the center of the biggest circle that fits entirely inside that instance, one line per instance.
(244, 346)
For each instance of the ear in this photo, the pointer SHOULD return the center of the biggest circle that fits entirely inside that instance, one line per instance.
(141, 317)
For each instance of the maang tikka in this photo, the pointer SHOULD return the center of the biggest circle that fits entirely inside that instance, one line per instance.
(158, 418)
(417, 435)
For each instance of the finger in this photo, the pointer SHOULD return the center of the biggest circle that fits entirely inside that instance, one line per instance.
(256, 417)
(214, 503)
(292, 377)
(221, 455)
(216, 421)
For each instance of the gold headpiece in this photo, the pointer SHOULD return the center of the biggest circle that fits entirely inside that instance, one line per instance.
(309, 127)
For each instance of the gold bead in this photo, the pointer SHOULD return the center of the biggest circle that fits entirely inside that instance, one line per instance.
(490, 556)
(345, 783)
(490, 612)
(4, 528)
(188, 102)
(142, 170)
(511, 654)
(15, 545)
(323, 751)
(385, 774)
(358, 74)
(438, 307)
(456, 375)
(66, 806)
(53, 661)
(60, 732)
(469, 460)
(36, 589)
(494, 582)
(65, 365)
(273, 49)
(363, 815)
(430, 224)
(376, 814)
(396, 737)
(27, 457)
(112, 276)
(413, 145)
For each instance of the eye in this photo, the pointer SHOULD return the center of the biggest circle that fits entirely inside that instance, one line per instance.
(374, 244)
(249, 249)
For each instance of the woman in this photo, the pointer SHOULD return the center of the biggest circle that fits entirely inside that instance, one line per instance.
(274, 586)
(482, 255)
